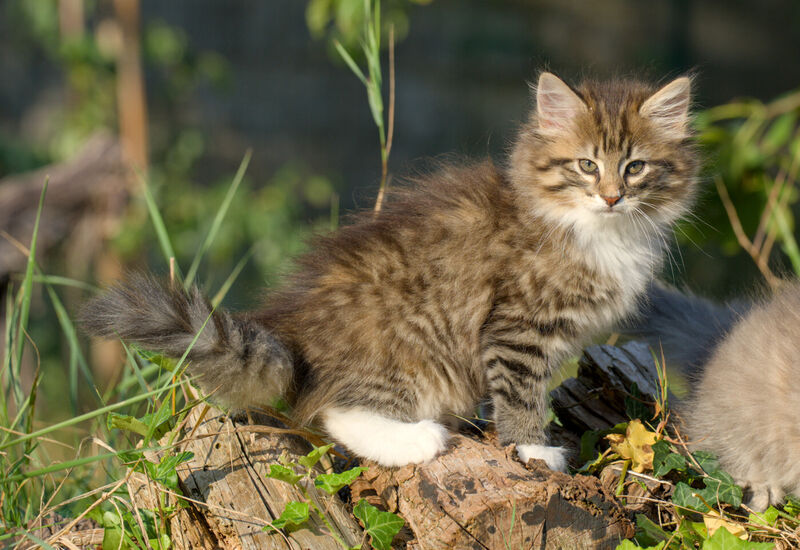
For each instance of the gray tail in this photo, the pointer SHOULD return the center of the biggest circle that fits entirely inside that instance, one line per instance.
(687, 327)
(236, 359)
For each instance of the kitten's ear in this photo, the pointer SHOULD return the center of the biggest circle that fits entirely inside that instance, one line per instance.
(556, 104)
(669, 107)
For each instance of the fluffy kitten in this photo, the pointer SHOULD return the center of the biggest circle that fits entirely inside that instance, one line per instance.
(476, 281)
(746, 386)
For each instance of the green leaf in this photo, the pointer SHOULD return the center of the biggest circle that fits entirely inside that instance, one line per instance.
(648, 533)
(792, 506)
(126, 422)
(779, 133)
(282, 473)
(721, 488)
(331, 483)
(311, 459)
(665, 461)
(294, 515)
(381, 526)
(165, 471)
(724, 540)
(768, 517)
(685, 497)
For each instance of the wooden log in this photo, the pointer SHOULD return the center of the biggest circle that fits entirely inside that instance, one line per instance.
(475, 495)
(595, 398)
(478, 495)
(232, 500)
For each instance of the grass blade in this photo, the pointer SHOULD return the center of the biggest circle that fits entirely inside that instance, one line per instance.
(220, 295)
(217, 223)
(87, 416)
(158, 223)
(27, 285)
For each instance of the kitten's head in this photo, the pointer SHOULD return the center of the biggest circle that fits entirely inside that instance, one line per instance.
(606, 152)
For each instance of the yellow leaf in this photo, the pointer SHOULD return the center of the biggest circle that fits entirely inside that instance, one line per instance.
(635, 445)
(714, 521)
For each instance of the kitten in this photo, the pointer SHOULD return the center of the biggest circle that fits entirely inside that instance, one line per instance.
(476, 281)
(746, 386)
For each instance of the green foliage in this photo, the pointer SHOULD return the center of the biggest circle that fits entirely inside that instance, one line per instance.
(380, 526)
(342, 20)
(724, 540)
(332, 483)
(753, 151)
(294, 515)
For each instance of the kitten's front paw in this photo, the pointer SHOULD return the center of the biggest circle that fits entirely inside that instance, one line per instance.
(554, 457)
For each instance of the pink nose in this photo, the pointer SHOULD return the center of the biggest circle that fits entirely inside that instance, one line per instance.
(611, 201)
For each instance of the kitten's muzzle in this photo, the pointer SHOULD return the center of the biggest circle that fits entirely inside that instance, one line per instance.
(611, 201)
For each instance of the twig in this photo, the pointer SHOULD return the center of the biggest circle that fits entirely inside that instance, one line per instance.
(390, 130)
(741, 236)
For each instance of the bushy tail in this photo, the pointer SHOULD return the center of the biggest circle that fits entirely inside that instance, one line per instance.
(234, 358)
(687, 327)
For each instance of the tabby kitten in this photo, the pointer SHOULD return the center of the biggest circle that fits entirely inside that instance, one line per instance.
(476, 281)
(744, 364)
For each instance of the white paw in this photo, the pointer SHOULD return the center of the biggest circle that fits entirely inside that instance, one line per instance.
(387, 441)
(429, 438)
(554, 457)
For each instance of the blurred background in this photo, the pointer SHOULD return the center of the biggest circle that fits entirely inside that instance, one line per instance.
(105, 95)
(141, 112)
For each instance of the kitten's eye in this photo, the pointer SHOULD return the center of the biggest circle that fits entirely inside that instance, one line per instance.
(587, 166)
(634, 167)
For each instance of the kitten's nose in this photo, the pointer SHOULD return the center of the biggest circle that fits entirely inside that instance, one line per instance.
(611, 201)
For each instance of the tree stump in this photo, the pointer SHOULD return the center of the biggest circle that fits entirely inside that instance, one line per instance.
(478, 495)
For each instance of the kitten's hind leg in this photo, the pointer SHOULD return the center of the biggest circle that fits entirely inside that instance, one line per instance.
(385, 440)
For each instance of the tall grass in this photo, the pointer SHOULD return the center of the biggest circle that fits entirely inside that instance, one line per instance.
(59, 467)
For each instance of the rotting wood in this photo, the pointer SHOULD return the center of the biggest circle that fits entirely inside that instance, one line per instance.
(478, 495)
(227, 477)
(595, 398)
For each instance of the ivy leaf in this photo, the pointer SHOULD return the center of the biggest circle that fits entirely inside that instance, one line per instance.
(685, 497)
(311, 459)
(381, 526)
(331, 483)
(721, 488)
(294, 515)
(724, 540)
(665, 460)
(282, 473)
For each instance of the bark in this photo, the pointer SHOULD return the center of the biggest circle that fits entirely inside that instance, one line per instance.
(478, 495)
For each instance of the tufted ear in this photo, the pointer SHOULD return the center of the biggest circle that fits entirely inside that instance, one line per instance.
(669, 107)
(556, 104)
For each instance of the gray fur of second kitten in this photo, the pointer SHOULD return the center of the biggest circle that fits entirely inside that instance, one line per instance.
(743, 362)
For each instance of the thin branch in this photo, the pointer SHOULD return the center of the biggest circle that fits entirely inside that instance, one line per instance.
(741, 236)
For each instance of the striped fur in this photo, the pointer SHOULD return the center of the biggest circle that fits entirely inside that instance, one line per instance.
(478, 280)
